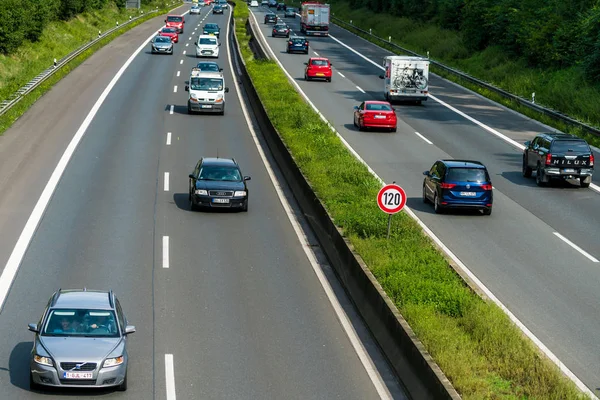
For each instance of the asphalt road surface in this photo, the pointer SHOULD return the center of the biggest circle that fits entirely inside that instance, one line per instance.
(550, 286)
(239, 308)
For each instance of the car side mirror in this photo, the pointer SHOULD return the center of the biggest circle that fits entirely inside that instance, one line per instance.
(33, 328)
(393, 109)
(129, 329)
(527, 143)
(165, 20)
(192, 176)
(195, 43)
(426, 173)
(187, 88)
(247, 178)
(226, 90)
(220, 69)
(219, 44)
(381, 77)
(356, 107)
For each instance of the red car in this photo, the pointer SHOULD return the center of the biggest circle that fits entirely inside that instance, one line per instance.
(175, 21)
(317, 68)
(375, 114)
(170, 32)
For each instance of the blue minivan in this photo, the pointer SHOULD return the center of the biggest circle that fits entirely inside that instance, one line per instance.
(458, 184)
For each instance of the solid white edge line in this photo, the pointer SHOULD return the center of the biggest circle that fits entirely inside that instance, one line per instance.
(16, 257)
(361, 352)
(358, 87)
(175, 89)
(166, 182)
(171, 108)
(342, 75)
(564, 369)
(168, 138)
(424, 138)
(579, 249)
(170, 377)
(165, 252)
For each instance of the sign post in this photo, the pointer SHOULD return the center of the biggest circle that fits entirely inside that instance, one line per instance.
(391, 199)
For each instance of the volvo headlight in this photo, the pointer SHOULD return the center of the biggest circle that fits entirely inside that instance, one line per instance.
(239, 193)
(43, 360)
(113, 362)
(201, 192)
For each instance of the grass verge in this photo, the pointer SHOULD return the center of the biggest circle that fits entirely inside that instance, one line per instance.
(32, 58)
(479, 349)
(565, 90)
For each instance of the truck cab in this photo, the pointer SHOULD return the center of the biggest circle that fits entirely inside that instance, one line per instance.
(206, 92)
(406, 78)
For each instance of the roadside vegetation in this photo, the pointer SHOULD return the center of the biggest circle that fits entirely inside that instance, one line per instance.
(31, 53)
(479, 349)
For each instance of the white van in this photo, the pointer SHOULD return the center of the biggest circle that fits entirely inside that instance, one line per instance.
(207, 46)
(206, 92)
(406, 78)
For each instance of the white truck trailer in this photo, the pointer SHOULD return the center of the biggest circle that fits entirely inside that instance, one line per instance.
(314, 19)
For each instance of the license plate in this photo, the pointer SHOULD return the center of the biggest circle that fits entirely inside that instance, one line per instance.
(222, 201)
(471, 194)
(320, 74)
(409, 91)
(206, 106)
(569, 170)
(380, 116)
(78, 375)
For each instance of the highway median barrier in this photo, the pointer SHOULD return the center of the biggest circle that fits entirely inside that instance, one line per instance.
(424, 316)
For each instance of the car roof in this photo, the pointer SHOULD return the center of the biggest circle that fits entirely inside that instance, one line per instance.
(82, 298)
(560, 135)
(174, 15)
(463, 164)
(219, 161)
(297, 37)
(210, 24)
(377, 102)
(321, 58)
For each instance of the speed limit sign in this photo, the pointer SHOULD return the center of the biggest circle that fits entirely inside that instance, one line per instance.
(391, 199)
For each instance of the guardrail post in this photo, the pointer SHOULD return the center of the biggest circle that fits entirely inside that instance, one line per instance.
(370, 31)
(130, 17)
(117, 23)
(99, 33)
(533, 97)
(55, 63)
(390, 39)
(427, 54)
(350, 22)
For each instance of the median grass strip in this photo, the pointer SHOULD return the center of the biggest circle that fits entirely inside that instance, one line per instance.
(483, 354)
(565, 90)
(58, 40)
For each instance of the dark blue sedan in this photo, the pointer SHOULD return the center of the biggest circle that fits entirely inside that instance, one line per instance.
(297, 44)
(458, 184)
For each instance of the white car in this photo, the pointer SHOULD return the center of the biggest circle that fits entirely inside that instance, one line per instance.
(207, 46)
(195, 10)
(264, 3)
(254, 3)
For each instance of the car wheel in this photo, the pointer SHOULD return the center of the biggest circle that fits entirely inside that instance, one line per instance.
(123, 386)
(354, 121)
(32, 385)
(538, 177)
(394, 130)
(189, 109)
(583, 182)
(193, 206)
(487, 211)
(245, 206)
(436, 205)
(526, 169)
(306, 52)
(425, 199)
(306, 77)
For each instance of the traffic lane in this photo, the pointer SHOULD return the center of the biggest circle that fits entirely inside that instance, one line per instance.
(232, 306)
(29, 150)
(381, 149)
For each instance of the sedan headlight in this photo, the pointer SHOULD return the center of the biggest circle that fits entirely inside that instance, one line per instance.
(201, 192)
(239, 193)
(43, 360)
(113, 362)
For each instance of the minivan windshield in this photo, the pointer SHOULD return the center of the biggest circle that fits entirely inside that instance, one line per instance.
(208, 41)
(215, 84)
(81, 322)
(564, 146)
(174, 19)
(467, 175)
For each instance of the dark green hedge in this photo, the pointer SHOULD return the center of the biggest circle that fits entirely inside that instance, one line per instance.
(548, 33)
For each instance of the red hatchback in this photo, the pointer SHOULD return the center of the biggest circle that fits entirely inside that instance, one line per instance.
(317, 68)
(170, 32)
(175, 21)
(375, 114)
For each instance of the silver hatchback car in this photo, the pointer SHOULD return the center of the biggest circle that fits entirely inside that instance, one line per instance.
(80, 341)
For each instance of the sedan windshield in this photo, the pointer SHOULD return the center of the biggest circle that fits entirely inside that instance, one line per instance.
(174, 19)
(298, 41)
(162, 39)
(213, 173)
(206, 84)
(378, 107)
(467, 175)
(211, 26)
(81, 322)
(208, 41)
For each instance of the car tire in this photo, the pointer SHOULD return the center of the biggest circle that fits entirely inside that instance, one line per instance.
(436, 205)
(245, 206)
(193, 206)
(32, 385)
(487, 211)
(538, 177)
(360, 127)
(123, 386)
(526, 169)
(583, 183)
(306, 52)
(394, 130)
(354, 122)
(425, 199)
(306, 77)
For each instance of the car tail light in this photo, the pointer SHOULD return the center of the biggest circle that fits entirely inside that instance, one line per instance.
(290, 43)
(592, 160)
(447, 185)
(306, 43)
(486, 186)
(548, 158)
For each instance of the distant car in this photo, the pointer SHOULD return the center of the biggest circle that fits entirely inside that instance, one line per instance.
(209, 66)
(170, 32)
(375, 114)
(211, 29)
(217, 9)
(289, 13)
(281, 6)
(224, 4)
(264, 3)
(80, 342)
(195, 9)
(175, 21)
(458, 184)
(272, 3)
(207, 2)
(218, 183)
(318, 68)
(558, 156)
(280, 30)
(161, 44)
(270, 18)
(297, 44)
(254, 3)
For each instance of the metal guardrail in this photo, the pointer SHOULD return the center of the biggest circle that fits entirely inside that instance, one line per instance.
(521, 100)
(38, 80)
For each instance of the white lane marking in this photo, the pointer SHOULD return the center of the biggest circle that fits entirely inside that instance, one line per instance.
(175, 89)
(316, 54)
(180, 62)
(579, 249)
(178, 72)
(165, 252)
(190, 38)
(564, 369)
(171, 108)
(184, 52)
(424, 138)
(168, 138)
(18, 252)
(360, 89)
(166, 183)
(342, 75)
(187, 44)
(170, 377)
(364, 357)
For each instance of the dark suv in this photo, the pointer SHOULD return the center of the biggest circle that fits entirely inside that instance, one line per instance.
(558, 155)
(458, 184)
(270, 19)
(218, 183)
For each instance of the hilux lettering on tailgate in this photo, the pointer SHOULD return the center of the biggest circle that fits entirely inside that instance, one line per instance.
(579, 163)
